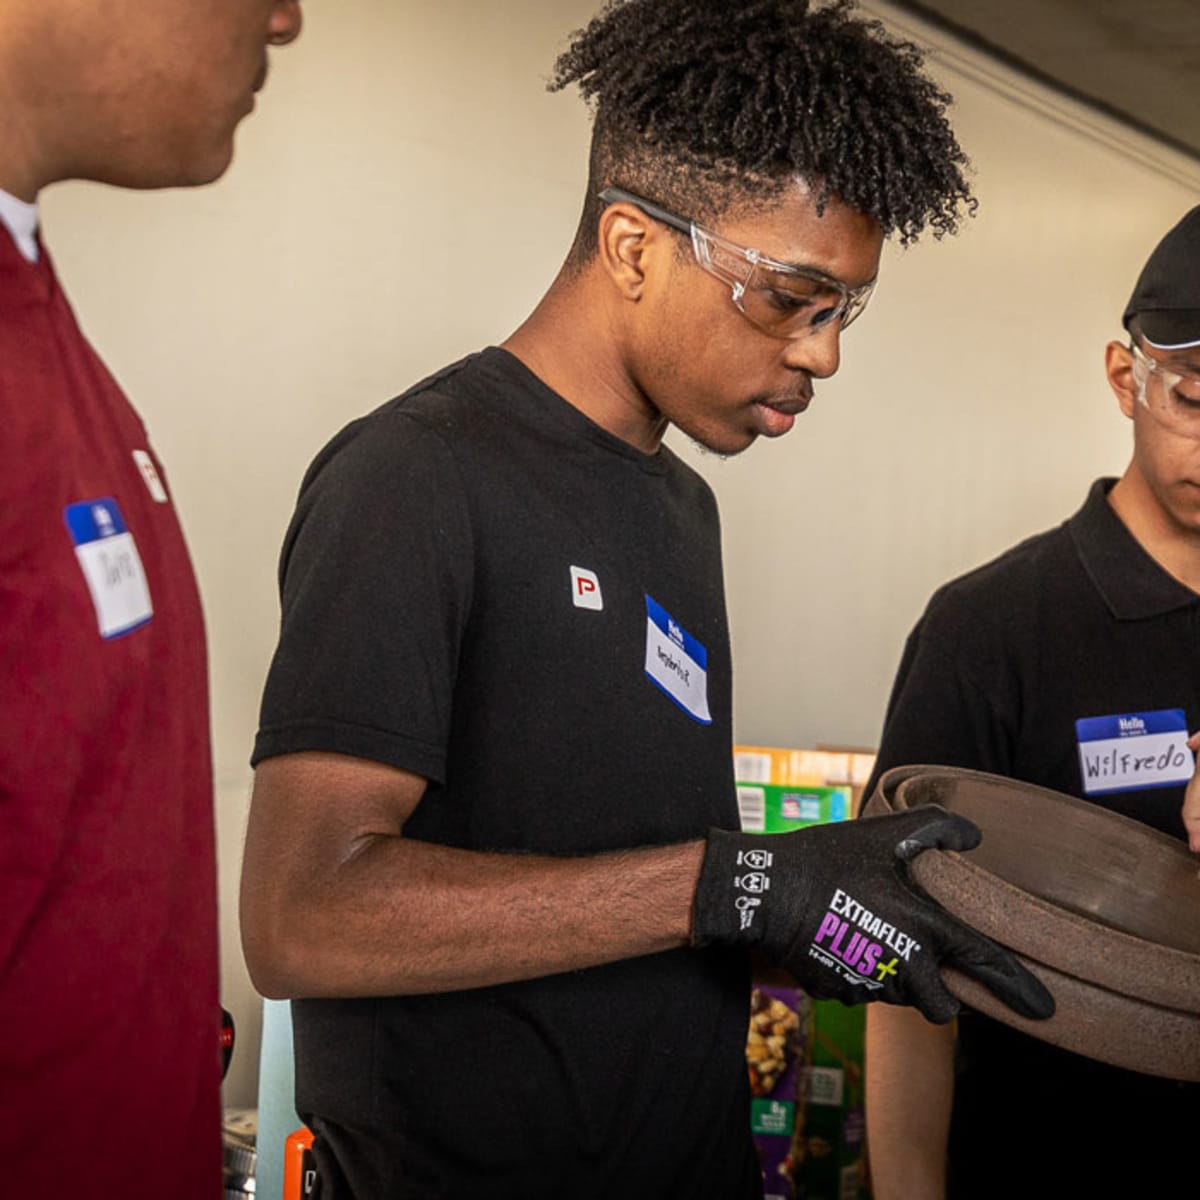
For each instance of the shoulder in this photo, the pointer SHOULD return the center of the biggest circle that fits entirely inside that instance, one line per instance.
(1008, 591)
(418, 424)
(390, 479)
(988, 622)
(427, 449)
(967, 660)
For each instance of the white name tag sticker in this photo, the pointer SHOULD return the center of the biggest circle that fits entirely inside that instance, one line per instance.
(150, 475)
(111, 565)
(1129, 751)
(676, 663)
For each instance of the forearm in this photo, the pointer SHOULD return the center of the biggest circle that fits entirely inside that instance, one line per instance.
(401, 916)
(910, 1087)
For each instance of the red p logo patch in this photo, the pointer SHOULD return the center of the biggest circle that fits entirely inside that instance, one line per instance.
(585, 589)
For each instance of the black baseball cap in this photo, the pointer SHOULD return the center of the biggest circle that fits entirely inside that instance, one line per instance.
(1166, 299)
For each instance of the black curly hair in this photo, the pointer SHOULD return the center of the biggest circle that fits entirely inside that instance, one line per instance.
(710, 106)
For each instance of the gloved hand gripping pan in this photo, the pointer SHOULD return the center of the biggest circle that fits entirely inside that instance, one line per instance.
(836, 906)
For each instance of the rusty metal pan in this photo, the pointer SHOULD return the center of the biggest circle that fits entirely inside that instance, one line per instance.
(1104, 909)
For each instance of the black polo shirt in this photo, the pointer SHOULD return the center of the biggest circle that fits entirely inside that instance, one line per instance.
(1073, 625)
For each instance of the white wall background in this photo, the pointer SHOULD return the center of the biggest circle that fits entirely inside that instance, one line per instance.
(405, 195)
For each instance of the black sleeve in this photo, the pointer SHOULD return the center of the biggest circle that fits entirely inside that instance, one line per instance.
(953, 702)
(376, 587)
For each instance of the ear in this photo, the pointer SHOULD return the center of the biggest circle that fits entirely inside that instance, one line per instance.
(628, 241)
(1118, 366)
(283, 25)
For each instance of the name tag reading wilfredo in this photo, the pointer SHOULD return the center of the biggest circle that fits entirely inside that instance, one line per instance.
(676, 663)
(111, 565)
(1129, 751)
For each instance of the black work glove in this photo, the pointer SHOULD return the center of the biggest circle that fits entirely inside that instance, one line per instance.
(837, 907)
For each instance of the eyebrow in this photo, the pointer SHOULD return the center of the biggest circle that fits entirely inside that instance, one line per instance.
(810, 268)
(820, 272)
(1189, 363)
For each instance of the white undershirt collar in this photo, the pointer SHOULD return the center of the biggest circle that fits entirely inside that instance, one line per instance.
(21, 220)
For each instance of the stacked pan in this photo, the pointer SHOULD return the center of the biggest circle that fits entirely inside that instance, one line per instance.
(1103, 909)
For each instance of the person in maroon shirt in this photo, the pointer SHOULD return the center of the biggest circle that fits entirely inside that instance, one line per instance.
(109, 1015)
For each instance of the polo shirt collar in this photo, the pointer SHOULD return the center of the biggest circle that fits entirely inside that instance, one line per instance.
(21, 220)
(1130, 582)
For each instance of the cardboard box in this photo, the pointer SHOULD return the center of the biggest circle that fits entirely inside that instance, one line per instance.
(823, 767)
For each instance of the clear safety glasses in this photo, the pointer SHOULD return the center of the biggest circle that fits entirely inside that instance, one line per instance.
(1172, 396)
(783, 300)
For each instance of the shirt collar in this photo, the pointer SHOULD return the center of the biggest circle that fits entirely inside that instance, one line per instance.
(21, 220)
(1130, 582)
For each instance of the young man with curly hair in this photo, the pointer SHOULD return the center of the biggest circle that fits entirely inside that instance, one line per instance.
(493, 847)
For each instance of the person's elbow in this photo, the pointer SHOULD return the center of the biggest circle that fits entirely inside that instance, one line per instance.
(273, 944)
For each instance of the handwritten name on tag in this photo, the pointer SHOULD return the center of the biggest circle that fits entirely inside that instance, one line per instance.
(111, 565)
(676, 662)
(1130, 751)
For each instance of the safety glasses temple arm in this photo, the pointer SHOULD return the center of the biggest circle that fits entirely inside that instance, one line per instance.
(615, 195)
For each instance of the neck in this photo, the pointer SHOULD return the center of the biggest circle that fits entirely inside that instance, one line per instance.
(30, 97)
(572, 342)
(1173, 545)
(18, 176)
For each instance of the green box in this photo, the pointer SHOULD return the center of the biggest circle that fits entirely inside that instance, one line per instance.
(775, 808)
(834, 1127)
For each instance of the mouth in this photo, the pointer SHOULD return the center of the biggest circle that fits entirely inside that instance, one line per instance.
(260, 79)
(776, 415)
(774, 418)
(790, 406)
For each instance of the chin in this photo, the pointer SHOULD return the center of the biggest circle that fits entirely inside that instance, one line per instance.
(206, 164)
(728, 446)
(173, 165)
(208, 172)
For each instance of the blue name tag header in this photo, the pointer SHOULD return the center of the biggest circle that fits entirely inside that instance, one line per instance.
(1166, 720)
(92, 520)
(680, 636)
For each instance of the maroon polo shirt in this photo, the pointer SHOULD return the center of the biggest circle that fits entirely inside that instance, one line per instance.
(109, 1017)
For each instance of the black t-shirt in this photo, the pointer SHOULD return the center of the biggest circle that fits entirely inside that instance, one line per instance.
(1073, 624)
(483, 587)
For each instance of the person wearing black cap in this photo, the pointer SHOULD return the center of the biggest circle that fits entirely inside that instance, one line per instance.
(1033, 666)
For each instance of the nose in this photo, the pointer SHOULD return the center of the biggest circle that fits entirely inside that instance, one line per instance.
(820, 354)
(285, 22)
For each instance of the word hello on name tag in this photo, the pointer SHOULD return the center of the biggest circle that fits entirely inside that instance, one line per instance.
(677, 663)
(111, 565)
(1130, 751)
